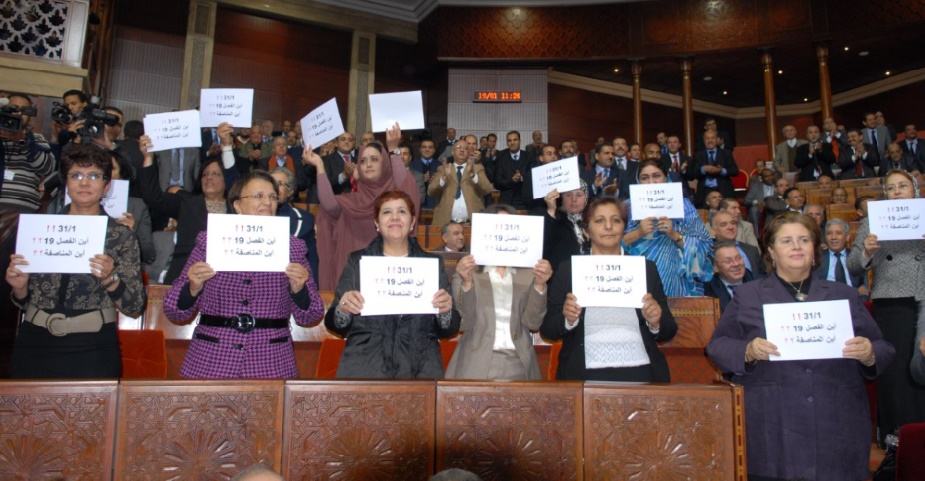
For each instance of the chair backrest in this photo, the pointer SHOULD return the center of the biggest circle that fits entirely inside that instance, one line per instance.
(144, 354)
(807, 185)
(847, 183)
(818, 196)
(740, 182)
(427, 217)
(845, 212)
(875, 191)
(333, 348)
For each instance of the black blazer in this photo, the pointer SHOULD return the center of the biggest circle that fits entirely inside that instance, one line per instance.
(572, 355)
(906, 163)
(919, 157)
(589, 175)
(724, 185)
(559, 240)
(823, 271)
(848, 166)
(821, 160)
(715, 288)
(627, 177)
(511, 192)
(334, 166)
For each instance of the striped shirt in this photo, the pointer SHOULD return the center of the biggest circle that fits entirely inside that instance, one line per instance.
(24, 165)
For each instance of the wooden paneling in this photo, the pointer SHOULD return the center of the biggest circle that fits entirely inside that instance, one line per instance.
(197, 429)
(510, 431)
(363, 431)
(697, 318)
(53, 430)
(663, 432)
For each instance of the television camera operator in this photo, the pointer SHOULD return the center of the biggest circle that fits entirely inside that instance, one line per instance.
(78, 119)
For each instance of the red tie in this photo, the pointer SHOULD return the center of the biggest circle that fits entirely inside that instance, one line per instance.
(353, 182)
(675, 166)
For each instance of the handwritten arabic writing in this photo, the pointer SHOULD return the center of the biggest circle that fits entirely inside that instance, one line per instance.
(808, 330)
(608, 281)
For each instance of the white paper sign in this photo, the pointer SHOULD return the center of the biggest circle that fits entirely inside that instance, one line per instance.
(609, 281)
(897, 219)
(60, 244)
(561, 174)
(404, 108)
(248, 243)
(234, 106)
(657, 200)
(322, 124)
(173, 130)
(507, 240)
(808, 330)
(398, 285)
(115, 202)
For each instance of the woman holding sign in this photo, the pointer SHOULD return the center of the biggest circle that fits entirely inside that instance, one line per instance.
(608, 343)
(679, 247)
(243, 329)
(898, 295)
(69, 330)
(807, 419)
(344, 220)
(391, 346)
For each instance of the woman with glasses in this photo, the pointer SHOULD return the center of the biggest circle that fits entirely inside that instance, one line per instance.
(807, 419)
(69, 330)
(898, 295)
(344, 220)
(221, 348)
(190, 209)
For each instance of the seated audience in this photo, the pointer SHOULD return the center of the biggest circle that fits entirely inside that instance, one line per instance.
(680, 248)
(301, 222)
(608, 343)
(604, 178)
(223, 347)
(800, 426)
(825, 182)
(817, 212)
(454, 240)
(713, 168)
(814, 159)
(896, 159)
(729, 272)
(563, 237)
(860, 206)
(459, 187)
(391, 346)
(833, 264)
(726, 228)
(255, 148)
(858, 159)
(793, 201)
(758, 192)
(746, 231)
(711, 202)
(839, 195)
(497, 342)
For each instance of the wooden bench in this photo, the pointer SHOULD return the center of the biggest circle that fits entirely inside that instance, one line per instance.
(845, 212)
(848, 183)
(818, 196)
(875, 191)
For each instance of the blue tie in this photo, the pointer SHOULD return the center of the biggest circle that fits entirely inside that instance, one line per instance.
(459, 170)
(712, 154)
(606, 173)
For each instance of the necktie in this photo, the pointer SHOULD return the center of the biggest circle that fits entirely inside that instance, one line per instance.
(459, 170)
(839, 269)
(606, 173)
(176, 167)
(712, 155)
(730, 287)
(912, 147)
(516, 156)
(858, 164)
(675, 166)
(873, 139)
(346, 158)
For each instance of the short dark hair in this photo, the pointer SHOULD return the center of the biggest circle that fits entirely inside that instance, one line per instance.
(235, 193)
(498, 208)
(393, 195)
(788, 191)
(775, 224)
(20, 95)
(492, 135)
(446, 227)
(126, 170)
(512, 132)
(859, 202)
(657, 163)
(597, 202)
(115, 109)
(79, 93)
(133, 129)
(85, 155)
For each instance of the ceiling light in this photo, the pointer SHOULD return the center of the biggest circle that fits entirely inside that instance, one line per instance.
(725, 92)
(780, 72)
(616, 70)
(846, 49)
(707, 79)
(887, 73)
(805, 99)
(516, 12)
(863, 54)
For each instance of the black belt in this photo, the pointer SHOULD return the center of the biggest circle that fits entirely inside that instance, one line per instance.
(243, 322)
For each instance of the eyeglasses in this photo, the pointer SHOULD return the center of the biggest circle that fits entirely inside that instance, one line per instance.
(93, 176)
(789, 242)
(260, 196)
(899, 186)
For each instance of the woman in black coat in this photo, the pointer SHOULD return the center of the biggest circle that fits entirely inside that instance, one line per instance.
(636, 357)
(562, 224)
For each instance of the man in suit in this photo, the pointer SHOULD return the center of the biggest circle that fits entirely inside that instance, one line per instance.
(785, 152)
(725, 227)
(833, 135)
(547, 154)
(427, 164)
(459, 187)
(896, 159)
(910, 146)
(723, 139)
(490, 156)
(859, 158)
(418, 177)
(340, 164)
(881, 121)
(178, 167)
(757, 192)
(605, 178)
(211, 144)
(814, 158)
(876, 135)
(510, 168)
(444, 149)
(568, 148)
(255, 148)
(777, 203)
(454, 239)
(627, 165)
(661, 139)
(714, 168)
(833, 263)
(676, 163)
(729, 272)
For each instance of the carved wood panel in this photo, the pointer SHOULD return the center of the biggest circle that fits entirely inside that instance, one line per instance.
(185, 430)
(510, 431)
(56, 431)
(374, 431)
(660, 432)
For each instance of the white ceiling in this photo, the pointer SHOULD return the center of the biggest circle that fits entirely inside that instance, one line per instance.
(417, 10)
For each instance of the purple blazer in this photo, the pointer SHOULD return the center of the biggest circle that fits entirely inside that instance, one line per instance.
(803, 419)
(223, 352)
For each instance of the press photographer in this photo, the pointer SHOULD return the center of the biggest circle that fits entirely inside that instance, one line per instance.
(80, 121)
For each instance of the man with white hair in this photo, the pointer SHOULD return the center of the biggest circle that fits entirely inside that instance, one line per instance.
(785, 152)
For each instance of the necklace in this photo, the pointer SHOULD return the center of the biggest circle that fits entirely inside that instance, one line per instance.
(799, 296)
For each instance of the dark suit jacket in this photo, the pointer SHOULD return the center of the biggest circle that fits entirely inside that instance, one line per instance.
(302, 226)
(725, 160)
(919, 156)
(820, 160)
(754, 258)
(589, 175)
(334, 166)
(716, 288)
(627, 177)
(572, 355)
(907, 163)
(511, 192)
(559, 240)
(848, 165)
(416, 164)
(823, 270)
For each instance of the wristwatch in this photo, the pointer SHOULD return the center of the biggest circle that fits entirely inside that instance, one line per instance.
(112, 280)
(397, 151)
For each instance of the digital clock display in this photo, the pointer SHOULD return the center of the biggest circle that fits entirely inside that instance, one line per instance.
(497, 96)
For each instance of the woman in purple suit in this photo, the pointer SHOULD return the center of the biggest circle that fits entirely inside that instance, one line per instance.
(243, 329)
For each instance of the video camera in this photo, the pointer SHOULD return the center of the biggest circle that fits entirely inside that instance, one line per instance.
(11, 122)
(95, 120)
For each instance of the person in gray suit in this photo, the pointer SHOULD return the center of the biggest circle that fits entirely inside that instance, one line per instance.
(418, 177)
(836, 254)
(911, 146)
(876, 135)
(785, 153)
(178, 167)
(493, 297)
(757, 192)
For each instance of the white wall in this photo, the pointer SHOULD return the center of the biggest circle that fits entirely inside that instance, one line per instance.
(468, 117)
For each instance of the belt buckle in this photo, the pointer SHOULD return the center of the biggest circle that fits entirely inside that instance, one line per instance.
(245, 323)
(53, 320)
